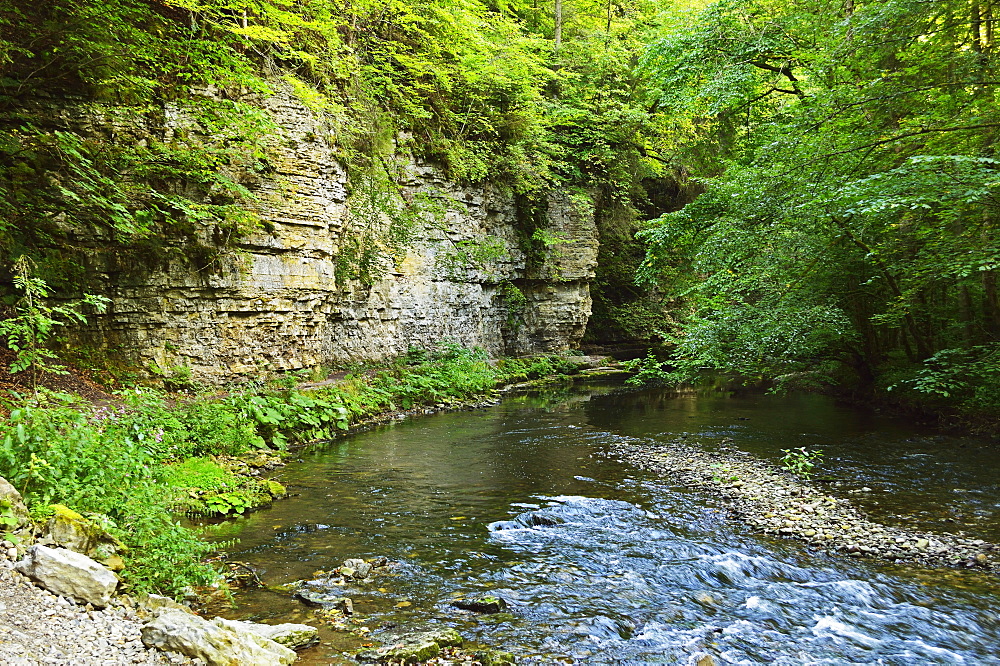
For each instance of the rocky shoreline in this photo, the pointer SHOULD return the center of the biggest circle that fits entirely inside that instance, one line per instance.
(40, 627)
(48, 618)
(778, 503)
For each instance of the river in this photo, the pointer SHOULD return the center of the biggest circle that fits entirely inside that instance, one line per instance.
(602, 563)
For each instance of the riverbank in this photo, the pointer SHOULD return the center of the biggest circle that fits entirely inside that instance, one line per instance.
(39, 627)
(778, 503)
(219, 477)
(131, 460)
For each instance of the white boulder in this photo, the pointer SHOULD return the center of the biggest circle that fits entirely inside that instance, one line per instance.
(69, 574)
(219, 642)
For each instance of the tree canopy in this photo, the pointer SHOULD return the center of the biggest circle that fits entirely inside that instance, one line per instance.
(842, 151)
(849, 213)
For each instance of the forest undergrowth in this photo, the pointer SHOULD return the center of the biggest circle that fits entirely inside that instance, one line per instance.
(133, 460)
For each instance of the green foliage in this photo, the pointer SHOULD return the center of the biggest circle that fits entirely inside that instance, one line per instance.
(57, 453)
(131, 466)
(214, 490)
(186, 429)
(201, 473)
(801, 461)
(28, 331)
(849, 205)
(966, 377)
(294, 416)
(8, 521)
(650, 371)
(451, 373)
(164, 557)
(168, 164)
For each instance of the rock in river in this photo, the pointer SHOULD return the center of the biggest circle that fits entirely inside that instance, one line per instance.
(412, 647)
(294, 636)
(482, 604)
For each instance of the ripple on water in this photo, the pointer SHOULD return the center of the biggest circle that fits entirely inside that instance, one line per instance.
(610, 578)
(602, 564)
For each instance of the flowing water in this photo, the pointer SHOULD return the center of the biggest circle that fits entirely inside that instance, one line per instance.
(606, 564)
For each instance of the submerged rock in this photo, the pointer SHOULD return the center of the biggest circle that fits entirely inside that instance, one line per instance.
(219, 642)
(69, 574)
(494, 658)
(482, 604)
(325, 600)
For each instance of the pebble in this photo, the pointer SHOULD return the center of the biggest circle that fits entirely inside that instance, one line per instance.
(54, 630)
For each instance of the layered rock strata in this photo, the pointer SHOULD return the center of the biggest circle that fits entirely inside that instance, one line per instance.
(350, 269)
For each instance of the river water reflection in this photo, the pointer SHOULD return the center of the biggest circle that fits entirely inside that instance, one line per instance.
(628, 568)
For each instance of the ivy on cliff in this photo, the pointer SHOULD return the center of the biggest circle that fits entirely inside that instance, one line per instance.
(175, 134)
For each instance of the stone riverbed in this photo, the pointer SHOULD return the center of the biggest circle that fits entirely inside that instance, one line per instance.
(776, 502)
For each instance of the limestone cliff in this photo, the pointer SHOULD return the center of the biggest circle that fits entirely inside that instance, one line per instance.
(293, 295)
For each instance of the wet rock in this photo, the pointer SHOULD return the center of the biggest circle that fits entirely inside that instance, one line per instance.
(218, 642)
(487, 604)
(293, 636)
(494, 658)
(705, 599)
(538, 520)
(275, 488)
(355, 568)
(69, 574)
(412, 647)
(327, 600)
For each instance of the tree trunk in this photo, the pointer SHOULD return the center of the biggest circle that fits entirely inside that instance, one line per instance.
(988, 27)
(992, 304)
(977, 27)
(559, 19)
(923, 350)
(965, 314)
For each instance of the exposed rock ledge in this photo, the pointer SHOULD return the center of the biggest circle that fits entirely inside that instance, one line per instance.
(293, 295)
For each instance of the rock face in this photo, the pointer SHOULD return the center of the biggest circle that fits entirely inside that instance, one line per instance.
(348, 271)
(219, 642)
(69, 574)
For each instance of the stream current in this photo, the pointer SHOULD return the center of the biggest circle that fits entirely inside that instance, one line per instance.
(602, 563)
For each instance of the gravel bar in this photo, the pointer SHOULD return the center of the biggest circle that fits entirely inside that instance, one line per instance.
(775, 502)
